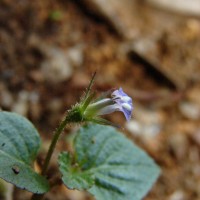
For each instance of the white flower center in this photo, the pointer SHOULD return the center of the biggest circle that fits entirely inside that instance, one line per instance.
(127, 106)
(126, 98)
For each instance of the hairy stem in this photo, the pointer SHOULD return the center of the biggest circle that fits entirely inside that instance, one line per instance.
(57, 133)
(53, 144)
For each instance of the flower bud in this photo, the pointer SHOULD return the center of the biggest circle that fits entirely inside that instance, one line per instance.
(91, 110)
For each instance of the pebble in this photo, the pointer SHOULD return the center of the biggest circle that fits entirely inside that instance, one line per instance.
(146, 123)
(75, 55)
(190, 110)
(196, 136)
(143, 130)
(177, 195)
(179, 145)
(56, 67)
(75, 194)
(193, 94)
(21, 105)
(55, 105)
(188, 7)
(6, 98)
(34, 105)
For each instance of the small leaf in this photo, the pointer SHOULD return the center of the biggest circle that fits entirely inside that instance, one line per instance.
(73, 177)
(121, 170)
(19, 145)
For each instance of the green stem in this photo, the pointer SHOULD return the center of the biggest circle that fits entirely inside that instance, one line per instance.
(57, 133)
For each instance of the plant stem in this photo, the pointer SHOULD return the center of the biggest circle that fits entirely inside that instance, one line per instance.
(53, 144)
(57, 133)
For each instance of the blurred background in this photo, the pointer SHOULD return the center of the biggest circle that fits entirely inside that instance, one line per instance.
(49, 50)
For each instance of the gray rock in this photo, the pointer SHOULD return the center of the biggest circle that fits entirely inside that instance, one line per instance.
(190, 110)
(189, 7)
(56, 67)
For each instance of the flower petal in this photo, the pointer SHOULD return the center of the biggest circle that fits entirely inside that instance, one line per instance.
(109, 109)
(124, 102)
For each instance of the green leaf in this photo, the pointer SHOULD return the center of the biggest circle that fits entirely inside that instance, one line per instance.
(73, 177)
(19, 145)
(121, 170)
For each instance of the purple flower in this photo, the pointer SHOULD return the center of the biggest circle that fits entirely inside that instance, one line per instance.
(124, 102)
(90, 110)
(119, 101)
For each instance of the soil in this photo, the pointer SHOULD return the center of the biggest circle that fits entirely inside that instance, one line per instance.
(35, 33)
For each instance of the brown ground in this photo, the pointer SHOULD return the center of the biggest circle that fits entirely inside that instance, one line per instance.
(29, 30)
